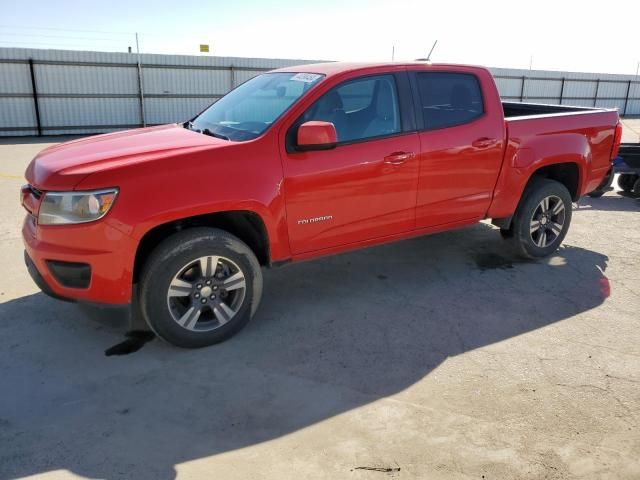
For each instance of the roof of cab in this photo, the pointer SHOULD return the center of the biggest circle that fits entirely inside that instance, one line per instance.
(334, 68)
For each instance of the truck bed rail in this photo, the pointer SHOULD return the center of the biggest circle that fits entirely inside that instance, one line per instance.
(517, 109)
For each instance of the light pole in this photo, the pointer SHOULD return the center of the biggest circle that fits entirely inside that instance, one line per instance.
(140, 84)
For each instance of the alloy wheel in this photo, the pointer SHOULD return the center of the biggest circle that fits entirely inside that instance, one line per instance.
(206, 293)
(547, 221)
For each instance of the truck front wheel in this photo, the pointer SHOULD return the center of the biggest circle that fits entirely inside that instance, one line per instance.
(542, 218)
(200, 287)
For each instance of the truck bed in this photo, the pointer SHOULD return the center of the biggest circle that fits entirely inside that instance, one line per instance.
(517, 109)
(569, 131)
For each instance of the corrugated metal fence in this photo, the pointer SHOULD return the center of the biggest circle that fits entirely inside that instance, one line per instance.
(570, 88)
(62, 91)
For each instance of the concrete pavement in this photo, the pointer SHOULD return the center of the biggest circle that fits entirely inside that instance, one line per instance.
(438, 358)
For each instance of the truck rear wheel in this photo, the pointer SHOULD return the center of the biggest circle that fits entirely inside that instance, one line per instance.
(200, 287)
(542, 218)
(626, 181)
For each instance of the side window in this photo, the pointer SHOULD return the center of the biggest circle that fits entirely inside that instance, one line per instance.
(359, 109)
(449, 99)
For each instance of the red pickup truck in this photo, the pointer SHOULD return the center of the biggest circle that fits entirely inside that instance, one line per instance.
(294, 164)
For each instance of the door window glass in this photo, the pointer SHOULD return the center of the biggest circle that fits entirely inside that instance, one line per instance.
(360, 109)
(449, 99)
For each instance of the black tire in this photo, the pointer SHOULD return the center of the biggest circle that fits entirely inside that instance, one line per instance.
(528, 243)
(506, 233)
(636, 187)
(626, 181)
(179, 255)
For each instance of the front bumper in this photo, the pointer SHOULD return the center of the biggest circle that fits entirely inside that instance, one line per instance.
(108, 253)
(39, 281)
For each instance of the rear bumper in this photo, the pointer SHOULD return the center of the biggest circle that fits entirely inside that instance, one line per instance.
(98, 250)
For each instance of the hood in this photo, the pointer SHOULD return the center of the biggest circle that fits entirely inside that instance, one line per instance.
(63, 166)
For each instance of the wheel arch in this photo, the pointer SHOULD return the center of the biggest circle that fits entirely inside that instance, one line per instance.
(567, 173)
(247, 225)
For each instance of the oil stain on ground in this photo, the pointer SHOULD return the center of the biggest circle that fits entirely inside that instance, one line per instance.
(493, 261)
(136, 339)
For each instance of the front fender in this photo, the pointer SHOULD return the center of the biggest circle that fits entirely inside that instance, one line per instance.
(247, 177)
(275, 228)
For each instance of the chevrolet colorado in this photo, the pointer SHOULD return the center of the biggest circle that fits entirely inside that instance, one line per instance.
(298, 163)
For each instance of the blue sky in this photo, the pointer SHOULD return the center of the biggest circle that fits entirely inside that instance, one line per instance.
(558, 35)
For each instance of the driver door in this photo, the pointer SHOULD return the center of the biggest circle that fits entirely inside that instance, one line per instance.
(365, 187)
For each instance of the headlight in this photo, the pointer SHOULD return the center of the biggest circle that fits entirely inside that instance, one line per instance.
(58, 208)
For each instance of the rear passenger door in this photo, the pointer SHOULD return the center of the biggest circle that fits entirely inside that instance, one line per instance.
(461, 143)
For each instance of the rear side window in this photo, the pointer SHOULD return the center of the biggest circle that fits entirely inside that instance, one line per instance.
(449, 99)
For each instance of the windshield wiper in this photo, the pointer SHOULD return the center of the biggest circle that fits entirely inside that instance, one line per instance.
(189, 126)
(206, 131)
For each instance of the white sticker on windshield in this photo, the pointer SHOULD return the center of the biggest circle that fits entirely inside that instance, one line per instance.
(306, 77)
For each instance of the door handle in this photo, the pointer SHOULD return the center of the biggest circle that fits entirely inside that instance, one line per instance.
(483, 142)
(397, 158)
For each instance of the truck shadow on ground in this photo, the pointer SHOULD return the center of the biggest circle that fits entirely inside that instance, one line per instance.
(330, 336)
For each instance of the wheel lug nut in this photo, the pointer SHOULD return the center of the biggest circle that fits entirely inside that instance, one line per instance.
(199, 286)
(208, 282)
(215, 287)
(197, 295)
(213, 297)
(204, 300)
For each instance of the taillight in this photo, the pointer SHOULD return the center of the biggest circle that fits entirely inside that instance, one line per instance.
(617, 139)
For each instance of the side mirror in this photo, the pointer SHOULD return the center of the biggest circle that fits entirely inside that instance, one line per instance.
(316, 135)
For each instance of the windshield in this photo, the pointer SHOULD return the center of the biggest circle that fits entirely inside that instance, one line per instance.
(246, 112)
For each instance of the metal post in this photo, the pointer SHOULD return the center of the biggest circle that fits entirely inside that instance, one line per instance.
(626, 99)
(140, 85)
(35, 97)
(524, 79)
(595, 99)
(561, 90)
(233, 77)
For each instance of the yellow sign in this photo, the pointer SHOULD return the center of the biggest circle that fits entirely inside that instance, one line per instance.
(204, 48)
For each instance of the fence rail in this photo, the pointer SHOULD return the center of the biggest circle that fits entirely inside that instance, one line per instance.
(559, 99)
(53, 92)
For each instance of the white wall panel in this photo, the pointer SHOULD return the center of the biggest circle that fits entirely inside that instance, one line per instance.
(179, 86)
(169, 110)
(509, 87)
(84, 79)
(188, 81)
(17, 112)
(15, 78)
(56, 112)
